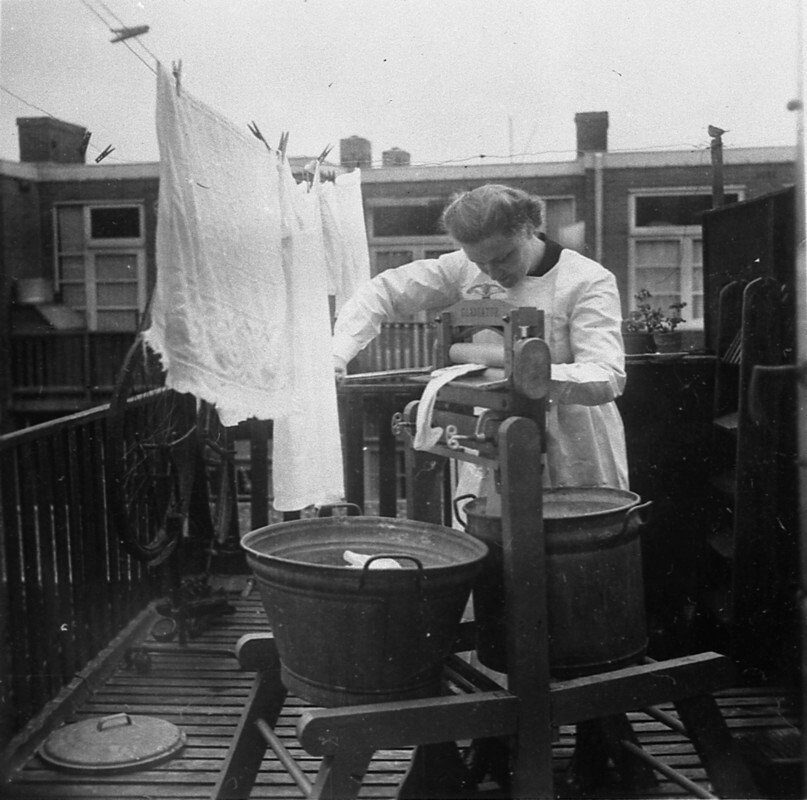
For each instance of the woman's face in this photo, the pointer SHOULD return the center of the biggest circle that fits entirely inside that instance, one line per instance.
(506, 258)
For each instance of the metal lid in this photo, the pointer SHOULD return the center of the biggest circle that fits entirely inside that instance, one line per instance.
(113, 743)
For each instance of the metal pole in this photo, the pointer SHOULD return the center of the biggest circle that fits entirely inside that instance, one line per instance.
(284, 757)
(668, 772)
(716, 148)
(801, 337)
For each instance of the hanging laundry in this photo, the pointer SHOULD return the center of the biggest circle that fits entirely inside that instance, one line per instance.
(220, 316)
(347, 258)
(307, 449)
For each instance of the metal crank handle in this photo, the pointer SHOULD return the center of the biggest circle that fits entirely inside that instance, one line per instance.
(454, 441)
(400, 425)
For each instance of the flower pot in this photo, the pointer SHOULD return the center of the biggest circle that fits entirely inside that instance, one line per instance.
(637, 343)
(668, 341)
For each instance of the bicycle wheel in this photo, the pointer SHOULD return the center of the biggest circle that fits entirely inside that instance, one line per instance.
(151, 457)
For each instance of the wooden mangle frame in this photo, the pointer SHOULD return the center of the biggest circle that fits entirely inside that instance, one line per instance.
(528, 712)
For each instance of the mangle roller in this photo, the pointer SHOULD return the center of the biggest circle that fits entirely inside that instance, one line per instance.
(495, 417)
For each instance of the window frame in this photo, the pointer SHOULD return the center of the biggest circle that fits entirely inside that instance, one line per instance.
(92, 249)
(122, 241)
(685, 235)
(91, 270)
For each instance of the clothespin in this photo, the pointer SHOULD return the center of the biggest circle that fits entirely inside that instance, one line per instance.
(122, 34)
(284, 141)
(85, 143)
(314, 168)
(255, 131)
(109, 149)
(311, 169)
(176, 68)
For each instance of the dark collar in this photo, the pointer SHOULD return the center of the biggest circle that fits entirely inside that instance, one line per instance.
(551, 256)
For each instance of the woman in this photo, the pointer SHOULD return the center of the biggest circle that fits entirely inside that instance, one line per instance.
(497, 230)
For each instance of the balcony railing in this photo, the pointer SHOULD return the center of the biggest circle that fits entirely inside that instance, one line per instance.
(68, 587)
(70, 370)
(400, 345)
(55, 370)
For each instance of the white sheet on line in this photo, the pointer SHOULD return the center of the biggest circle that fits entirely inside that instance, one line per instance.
(307, 450)
(347, 258)
(220, 312)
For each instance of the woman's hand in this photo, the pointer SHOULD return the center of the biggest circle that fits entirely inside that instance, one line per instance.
(339, 369)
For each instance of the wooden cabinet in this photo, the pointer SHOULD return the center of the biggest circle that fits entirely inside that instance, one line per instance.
(749, 588)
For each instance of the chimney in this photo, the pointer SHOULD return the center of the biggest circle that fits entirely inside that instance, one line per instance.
(49, 139)
(355, 152)
(592, 132)
(396, 157)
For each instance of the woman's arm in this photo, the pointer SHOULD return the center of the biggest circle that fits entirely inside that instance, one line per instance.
(597, 374)
(417, 286)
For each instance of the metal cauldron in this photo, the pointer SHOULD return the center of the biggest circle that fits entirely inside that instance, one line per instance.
(595, 588)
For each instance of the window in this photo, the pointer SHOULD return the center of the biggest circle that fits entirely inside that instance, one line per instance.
(421, 218)
(666, 248)
(100, 263)
(559, 215)
(408, 220)
(653, 211)
(121, 224)
(407, 229)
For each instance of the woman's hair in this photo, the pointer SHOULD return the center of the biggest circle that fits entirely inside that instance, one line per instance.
(490, 210)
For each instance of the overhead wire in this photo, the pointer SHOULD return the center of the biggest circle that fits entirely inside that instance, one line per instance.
(508, 159)
(501, 159)
(25, 102)
(47, 113)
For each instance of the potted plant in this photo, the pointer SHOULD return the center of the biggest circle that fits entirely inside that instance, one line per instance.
(649, 329)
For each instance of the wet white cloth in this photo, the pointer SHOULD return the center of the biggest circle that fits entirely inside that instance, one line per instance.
(347, 257)
(220, 313)
(360, 559)
(427, 435)
(307, 449)
(585, 435)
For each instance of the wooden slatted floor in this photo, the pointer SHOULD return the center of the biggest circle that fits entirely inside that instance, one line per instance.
(204, 693)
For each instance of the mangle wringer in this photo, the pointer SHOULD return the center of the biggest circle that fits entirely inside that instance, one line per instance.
(493, 417)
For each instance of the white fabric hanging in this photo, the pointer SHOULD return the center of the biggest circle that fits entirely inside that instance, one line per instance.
(347, 257)
(220, 316)
(307, 451)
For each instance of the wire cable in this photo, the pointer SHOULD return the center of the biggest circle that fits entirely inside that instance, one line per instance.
(25, 102)
(52, 116)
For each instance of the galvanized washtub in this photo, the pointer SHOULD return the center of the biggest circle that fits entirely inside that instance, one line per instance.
(348, 635)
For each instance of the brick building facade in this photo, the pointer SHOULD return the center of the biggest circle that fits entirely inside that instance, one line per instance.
(636, 212)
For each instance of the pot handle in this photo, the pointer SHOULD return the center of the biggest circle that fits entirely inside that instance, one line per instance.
(457, 501)
(352, 509)
(114, 721)
(396, 556)
(637, 517)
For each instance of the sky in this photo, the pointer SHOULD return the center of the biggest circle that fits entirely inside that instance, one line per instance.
(450, 81)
